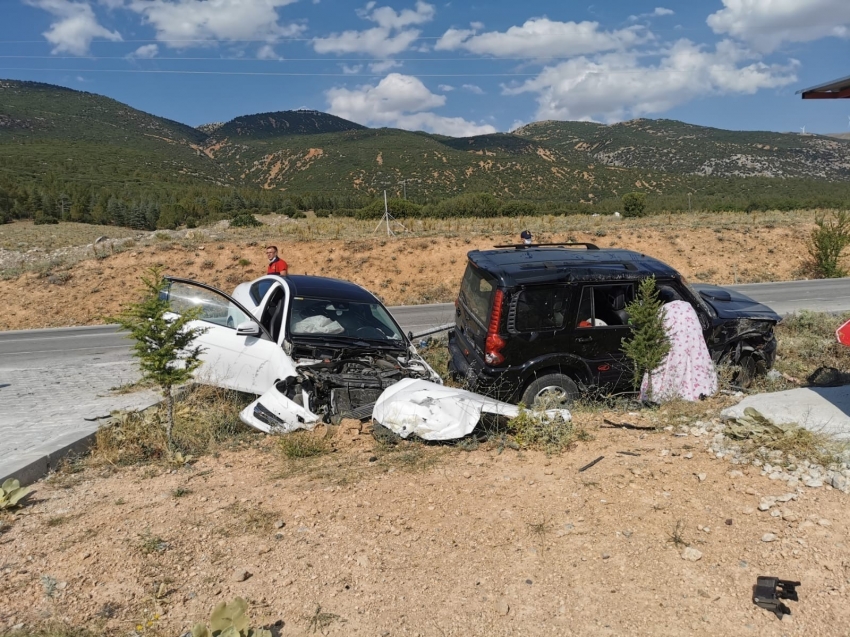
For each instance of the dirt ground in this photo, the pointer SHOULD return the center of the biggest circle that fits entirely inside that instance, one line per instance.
(431, 540)
(81, 285)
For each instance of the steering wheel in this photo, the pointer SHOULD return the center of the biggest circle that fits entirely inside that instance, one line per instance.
(369, 331)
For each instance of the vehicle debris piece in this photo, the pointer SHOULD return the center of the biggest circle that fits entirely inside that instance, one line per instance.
(435, 412)
(590, 464)
(768, 592)
(273, 412)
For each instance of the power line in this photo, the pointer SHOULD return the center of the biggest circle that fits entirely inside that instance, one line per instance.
(286, 59)
(258, 73)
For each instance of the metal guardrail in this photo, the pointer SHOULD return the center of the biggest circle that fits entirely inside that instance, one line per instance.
(430, 331)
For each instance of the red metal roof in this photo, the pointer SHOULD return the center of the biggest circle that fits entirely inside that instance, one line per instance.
(836, 89)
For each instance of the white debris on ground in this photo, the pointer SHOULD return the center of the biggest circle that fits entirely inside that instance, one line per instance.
(436, 412)
(792, 472)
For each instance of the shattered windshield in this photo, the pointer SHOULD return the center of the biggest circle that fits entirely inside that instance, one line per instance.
(342, 319)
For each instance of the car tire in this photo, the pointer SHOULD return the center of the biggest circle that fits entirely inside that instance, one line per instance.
(556, 385)
(751, 368)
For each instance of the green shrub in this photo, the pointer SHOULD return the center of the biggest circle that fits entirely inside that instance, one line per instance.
(634, 204)
(245, 220)
(11, 494)
(827, 243)
(649, 344)
(535, 429)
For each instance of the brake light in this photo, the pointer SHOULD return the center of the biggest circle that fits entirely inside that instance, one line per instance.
(494, 343)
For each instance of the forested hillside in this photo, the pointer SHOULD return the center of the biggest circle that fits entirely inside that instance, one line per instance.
(71, 155)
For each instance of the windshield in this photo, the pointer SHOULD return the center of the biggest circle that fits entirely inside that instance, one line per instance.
(345, 319)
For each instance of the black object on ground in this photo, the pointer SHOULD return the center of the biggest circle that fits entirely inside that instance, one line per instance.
(625, 425)
(590, 464)
(828, 377)
(629, 453)
(768, 592)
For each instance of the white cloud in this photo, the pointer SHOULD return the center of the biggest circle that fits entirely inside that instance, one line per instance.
(229, 20)
(75, 26)
(658, 12)
(400, 101)
(145, 52)
(375, 42)
(446, 88)
(390, 37)
(617, 86)
(352, 70)
(766, 24)
(473, 88)
(389, 18)
(383, 66)
(542, 38)
(267, 52)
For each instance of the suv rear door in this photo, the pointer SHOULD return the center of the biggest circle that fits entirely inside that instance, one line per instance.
(473, 308)
(538, 321)
(600, 325)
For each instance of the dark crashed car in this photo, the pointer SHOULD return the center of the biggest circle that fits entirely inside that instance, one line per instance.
(543, 320)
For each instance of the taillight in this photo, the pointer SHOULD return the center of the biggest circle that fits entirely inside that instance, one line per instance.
(494, 343)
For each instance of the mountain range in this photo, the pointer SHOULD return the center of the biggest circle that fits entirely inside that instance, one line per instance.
(57, 134)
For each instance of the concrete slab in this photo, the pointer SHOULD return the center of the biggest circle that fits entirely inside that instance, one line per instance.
(821, 409)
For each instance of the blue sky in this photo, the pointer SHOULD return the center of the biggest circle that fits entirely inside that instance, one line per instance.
(454, 68)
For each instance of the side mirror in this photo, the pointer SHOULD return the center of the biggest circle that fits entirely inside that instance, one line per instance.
(410, 336)
(248, 328)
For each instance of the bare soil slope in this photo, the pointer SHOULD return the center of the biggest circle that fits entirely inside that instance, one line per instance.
(73, 286)
(430, 541)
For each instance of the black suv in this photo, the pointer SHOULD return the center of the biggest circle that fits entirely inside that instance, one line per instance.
(550, 319)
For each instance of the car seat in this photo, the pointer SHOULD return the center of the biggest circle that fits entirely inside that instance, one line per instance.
(618, 308)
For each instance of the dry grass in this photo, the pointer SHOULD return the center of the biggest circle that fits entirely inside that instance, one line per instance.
(303, 444)
(206, 418)
(23, 235)
(807, 342)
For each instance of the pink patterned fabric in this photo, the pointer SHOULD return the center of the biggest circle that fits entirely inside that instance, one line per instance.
(688, 371)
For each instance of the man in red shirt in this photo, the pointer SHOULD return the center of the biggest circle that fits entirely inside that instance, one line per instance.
(276, 264)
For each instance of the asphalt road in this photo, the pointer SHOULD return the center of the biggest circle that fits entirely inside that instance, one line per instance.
(69, 346)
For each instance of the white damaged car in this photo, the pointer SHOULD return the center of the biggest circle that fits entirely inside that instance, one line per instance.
(315, 349)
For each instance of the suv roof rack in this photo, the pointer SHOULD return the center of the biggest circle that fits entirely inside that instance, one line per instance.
(522, 246)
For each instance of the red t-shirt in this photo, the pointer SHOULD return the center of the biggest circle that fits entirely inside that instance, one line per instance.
(278, 266)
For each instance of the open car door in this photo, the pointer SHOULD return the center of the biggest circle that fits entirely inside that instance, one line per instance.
(238, 353)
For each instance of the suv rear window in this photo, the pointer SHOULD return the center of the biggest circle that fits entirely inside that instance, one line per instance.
(541, 308)
(476, 290)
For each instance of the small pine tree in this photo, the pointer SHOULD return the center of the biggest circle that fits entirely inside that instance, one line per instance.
(649, 344)
(163, 345)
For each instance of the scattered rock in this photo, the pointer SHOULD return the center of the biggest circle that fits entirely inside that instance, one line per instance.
(814, 483)
(735, 474)
(702, 476)
(502, 607)
(824, 523)
(838, 481)
(768, 537)
(766, 503)
(691, 554)
(279, 524)
(240, 575)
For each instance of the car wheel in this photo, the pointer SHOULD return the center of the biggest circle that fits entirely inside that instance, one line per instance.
(551, 391)
(750, 369)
